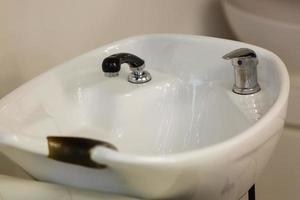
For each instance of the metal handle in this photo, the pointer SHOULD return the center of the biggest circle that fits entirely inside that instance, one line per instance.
(245, 63)
(240, 53)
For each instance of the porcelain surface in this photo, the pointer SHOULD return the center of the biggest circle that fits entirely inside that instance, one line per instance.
(184, 134)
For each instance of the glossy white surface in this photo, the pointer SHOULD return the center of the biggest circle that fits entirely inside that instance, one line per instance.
(182, 134)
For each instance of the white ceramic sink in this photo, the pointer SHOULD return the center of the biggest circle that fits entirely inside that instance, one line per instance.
(184, 134)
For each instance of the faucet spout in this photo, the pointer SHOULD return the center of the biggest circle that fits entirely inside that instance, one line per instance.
(112, 65)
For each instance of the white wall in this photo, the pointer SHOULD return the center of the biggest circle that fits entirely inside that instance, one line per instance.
(38, 34)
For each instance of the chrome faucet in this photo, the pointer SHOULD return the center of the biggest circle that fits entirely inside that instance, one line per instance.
(112, 65)
(245, 63)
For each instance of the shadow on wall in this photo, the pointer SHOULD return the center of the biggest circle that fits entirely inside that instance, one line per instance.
(42, 34)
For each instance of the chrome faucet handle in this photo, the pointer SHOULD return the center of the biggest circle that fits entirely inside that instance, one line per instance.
(245, 63)
(240, 53)
(139, 75)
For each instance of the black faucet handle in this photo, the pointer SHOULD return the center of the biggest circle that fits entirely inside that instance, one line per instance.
(112, 64)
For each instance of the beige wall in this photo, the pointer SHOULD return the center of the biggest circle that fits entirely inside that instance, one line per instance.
(38, 34)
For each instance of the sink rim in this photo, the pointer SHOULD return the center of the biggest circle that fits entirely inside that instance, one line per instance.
(208, 151)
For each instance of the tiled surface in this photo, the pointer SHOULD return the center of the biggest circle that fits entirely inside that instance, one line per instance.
(280, 180)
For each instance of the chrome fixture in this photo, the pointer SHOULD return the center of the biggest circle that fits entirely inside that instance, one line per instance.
(112, 65)
(245, 63)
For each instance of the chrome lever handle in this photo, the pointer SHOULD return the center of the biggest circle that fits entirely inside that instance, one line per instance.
(245, 63)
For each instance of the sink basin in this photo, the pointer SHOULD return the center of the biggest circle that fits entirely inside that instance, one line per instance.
(184, 134)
